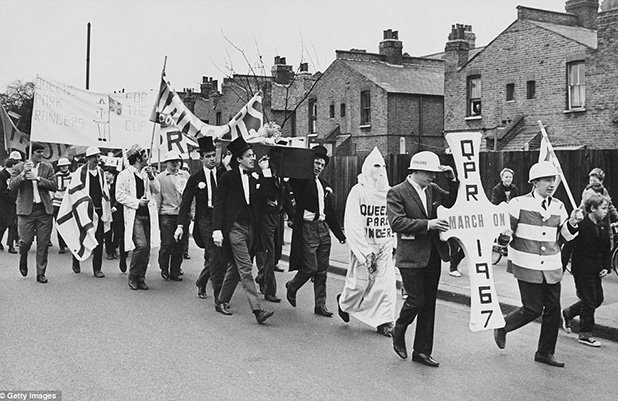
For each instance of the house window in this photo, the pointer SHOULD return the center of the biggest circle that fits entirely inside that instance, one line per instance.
(530, 89)
(510, 92)
(474, 96)
(577, 84)
(332, 111)
(365, 108)
(313, 116)
(218, 118)
(342, 110)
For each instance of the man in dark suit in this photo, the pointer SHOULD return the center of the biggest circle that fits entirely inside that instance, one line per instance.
(411, 209)
(202, 187)
(33, 180)
(235, 227)
(310, 251)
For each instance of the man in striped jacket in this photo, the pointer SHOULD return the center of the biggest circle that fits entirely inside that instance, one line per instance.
(539, 221)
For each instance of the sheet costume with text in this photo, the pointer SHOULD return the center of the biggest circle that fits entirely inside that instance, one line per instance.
(369, 297)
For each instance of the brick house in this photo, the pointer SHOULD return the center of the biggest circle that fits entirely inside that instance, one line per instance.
(386, 99)
(559, 68)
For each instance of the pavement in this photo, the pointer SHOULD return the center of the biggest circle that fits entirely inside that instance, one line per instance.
(457, 289)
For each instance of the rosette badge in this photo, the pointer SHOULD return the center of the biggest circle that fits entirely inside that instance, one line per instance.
(201, 185)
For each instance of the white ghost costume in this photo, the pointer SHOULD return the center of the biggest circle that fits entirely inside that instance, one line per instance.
(369, 297)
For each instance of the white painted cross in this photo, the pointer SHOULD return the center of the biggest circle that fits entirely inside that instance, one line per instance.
(475, 223)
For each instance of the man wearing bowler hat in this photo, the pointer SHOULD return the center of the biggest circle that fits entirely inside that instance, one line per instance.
(33, 180)
(201, 188)
(411, 209)
(172, 182)
(310, 251)
(234, 227)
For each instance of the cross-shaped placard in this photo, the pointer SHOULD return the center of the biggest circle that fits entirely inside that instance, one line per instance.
(475, 223)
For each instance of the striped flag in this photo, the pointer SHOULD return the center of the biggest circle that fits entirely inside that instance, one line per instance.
(13, 138)
(247, 121)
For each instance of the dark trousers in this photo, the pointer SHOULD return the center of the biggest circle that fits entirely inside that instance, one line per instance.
(315, 260)
(61, 243)
(114, 236)
(538, 299)
(170, 252)
(38, 223)
(185, 239)
(456, 254)
(12, 234)
(590, 294)
(265, 258)
(240, 241)
(141, 252)
(421, 286)
(214, 262)
(97, 253)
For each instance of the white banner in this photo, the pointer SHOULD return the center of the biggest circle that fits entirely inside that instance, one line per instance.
(65, 114)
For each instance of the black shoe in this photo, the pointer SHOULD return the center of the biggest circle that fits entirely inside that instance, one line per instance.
(176, 278)
(1, 247)
(165, 274)
(548, 359)
(425, 359)
(322, 311)
(262, 315)
(272, 298)
(62, 251)
(180, 272)
(186, 256)
(99, 274)
(123, 264)
(141, 285)
(345, 316)
(76, 268)
(223, 309)
(386, 329)
(201, 293)
(566, 322)
(23, 270)
(278, 269)
(109, 256)
(41, 278)
(500, 337)
(133, 283)
(290, 295)
(399, 343)
(12, 250)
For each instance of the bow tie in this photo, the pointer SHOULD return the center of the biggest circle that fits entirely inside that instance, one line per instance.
(246, 172)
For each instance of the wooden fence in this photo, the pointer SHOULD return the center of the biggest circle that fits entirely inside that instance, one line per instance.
(342, 171)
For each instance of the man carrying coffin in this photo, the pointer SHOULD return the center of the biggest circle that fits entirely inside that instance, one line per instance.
(411, 209)
(538, 221)
(86, 213)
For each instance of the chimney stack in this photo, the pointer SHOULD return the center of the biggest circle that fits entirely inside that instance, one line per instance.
(460, 41)
(586, 11)
(208, 86)
(281, 72)
(391, 47)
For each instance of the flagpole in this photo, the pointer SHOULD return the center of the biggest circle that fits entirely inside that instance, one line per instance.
(560, 172)
(154, 124)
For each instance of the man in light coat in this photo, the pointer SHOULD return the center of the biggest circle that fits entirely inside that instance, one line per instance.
(135, 189)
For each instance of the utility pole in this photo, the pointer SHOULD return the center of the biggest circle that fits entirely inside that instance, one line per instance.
(88, 58)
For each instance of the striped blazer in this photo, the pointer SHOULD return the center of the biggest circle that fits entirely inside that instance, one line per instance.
(534, 252)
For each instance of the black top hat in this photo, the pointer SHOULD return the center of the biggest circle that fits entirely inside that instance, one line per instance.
(238, 146)
(320, 152)
(206, 144)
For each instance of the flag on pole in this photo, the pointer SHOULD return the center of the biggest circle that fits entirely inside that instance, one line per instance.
(547, 154)
(13, 138)
(247, 121)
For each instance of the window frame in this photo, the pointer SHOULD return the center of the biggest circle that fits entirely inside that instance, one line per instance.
(531, 89)
(313, 116)
(331, 110)
(342, 110)
(365, 108)
(471, 101)
(579, 86)
(510, 92)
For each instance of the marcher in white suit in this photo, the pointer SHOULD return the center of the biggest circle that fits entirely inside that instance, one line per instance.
(369, 293)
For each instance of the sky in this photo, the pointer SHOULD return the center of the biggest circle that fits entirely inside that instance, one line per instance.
(131, 38)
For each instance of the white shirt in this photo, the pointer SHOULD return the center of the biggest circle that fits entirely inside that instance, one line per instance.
(35, 185)
(244, 178)
(208, 173)
(422, 193)
(310, 216)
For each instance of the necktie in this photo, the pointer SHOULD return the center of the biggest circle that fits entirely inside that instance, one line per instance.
(543, 205)
(213, 183)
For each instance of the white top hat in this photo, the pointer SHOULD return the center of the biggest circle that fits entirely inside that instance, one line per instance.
(426, 161)
(92, 150)
(172, 155)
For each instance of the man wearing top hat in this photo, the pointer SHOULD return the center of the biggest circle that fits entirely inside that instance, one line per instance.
(91, 177)
(33, 180)
(201, 188)
(172, 182)
(314, 216)
(135, 187)
(411, 209)
(234, 227)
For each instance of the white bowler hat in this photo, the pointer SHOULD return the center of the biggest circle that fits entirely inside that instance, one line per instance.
(172, 155)
(426, 161)
(92, 151)
(15, 155)
(541, 170)
(63, 161)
